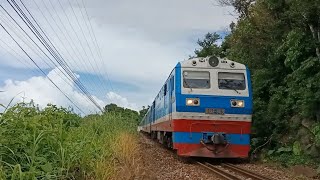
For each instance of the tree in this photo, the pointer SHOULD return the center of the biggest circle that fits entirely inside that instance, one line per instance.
(112, 108)
(143, 111)
(208, 45)
(279, 41)
(115, 110)
(242, 7)
(308, 13)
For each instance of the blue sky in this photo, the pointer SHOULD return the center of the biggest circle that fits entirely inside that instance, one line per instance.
(140, 42)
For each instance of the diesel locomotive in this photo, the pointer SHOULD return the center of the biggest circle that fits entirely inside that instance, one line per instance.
(204, 109)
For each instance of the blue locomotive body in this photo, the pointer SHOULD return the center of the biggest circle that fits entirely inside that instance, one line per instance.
(204, 109)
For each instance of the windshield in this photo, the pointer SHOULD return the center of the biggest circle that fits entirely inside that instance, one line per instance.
(196, 79)
(235, 81)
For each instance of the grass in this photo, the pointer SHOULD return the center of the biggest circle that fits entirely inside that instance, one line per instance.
(126, 150)
(124, 163)
(55, 143)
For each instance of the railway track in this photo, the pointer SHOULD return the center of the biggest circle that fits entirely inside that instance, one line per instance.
(231, 172)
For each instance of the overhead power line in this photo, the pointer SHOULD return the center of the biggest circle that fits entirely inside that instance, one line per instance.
(86, 41)
(94, 39)
(41, 57)
(38, 47)
(42, 43)
(40, 68)
(51, 49)
(67, 37)
(45, 41)
(62, 60)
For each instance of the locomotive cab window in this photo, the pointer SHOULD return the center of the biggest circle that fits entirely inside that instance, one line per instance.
(235, 81)
(196, 79)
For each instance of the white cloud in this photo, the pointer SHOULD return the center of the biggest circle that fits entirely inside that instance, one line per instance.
(42, 91)
(120, 101)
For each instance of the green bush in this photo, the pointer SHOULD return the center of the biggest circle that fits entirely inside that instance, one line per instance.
(55, 143)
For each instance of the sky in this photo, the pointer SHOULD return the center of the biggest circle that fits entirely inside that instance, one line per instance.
(121, 50)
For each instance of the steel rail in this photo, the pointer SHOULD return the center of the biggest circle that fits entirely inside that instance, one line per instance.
(219, 171)
(245, 172)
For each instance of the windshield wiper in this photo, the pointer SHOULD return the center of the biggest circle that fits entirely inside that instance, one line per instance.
(188, 85)
(227, 86)
(236, 90)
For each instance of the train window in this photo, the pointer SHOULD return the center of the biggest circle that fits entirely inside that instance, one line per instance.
(165, 90)
(235, 81)
(196, 79)
(172, 83)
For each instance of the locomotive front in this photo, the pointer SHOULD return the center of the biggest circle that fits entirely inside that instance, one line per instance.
(212, 108)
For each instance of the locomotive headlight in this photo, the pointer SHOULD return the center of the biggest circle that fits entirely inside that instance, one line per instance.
(237, 103)
(192, 102)
(189, 102)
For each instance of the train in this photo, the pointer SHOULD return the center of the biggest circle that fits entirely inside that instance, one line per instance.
(204, 109)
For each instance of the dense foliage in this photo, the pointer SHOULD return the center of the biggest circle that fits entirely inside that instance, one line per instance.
(113, 109)
(55, 143)
(279, 40)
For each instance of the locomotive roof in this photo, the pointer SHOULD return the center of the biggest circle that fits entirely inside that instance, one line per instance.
(222, 63)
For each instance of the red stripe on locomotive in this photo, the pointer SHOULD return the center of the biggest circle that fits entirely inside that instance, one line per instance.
(231, 151)
(184, 125)
(230, 127)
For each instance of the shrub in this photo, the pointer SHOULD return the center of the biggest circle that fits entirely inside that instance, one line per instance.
(55, 143)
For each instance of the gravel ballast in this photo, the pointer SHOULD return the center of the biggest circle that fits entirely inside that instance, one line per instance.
(157, 162)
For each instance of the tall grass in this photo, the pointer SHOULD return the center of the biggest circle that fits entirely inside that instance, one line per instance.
(55, 143)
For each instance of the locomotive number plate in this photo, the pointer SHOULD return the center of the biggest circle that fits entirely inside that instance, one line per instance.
(214, 111)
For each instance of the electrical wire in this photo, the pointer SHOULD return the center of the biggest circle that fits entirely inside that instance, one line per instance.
(48, 40)
(40, 68)
(55, 53)
(41, 57)
(94, 39)
(84, 37)
(36, 52)
(71, 44)
(51, 50)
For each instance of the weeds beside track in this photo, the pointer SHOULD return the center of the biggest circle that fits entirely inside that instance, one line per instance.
(55, 143)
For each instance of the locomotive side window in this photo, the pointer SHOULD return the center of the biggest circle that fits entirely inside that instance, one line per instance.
(172, 83)
(235, 81)
(165, 90)
(196, 79)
